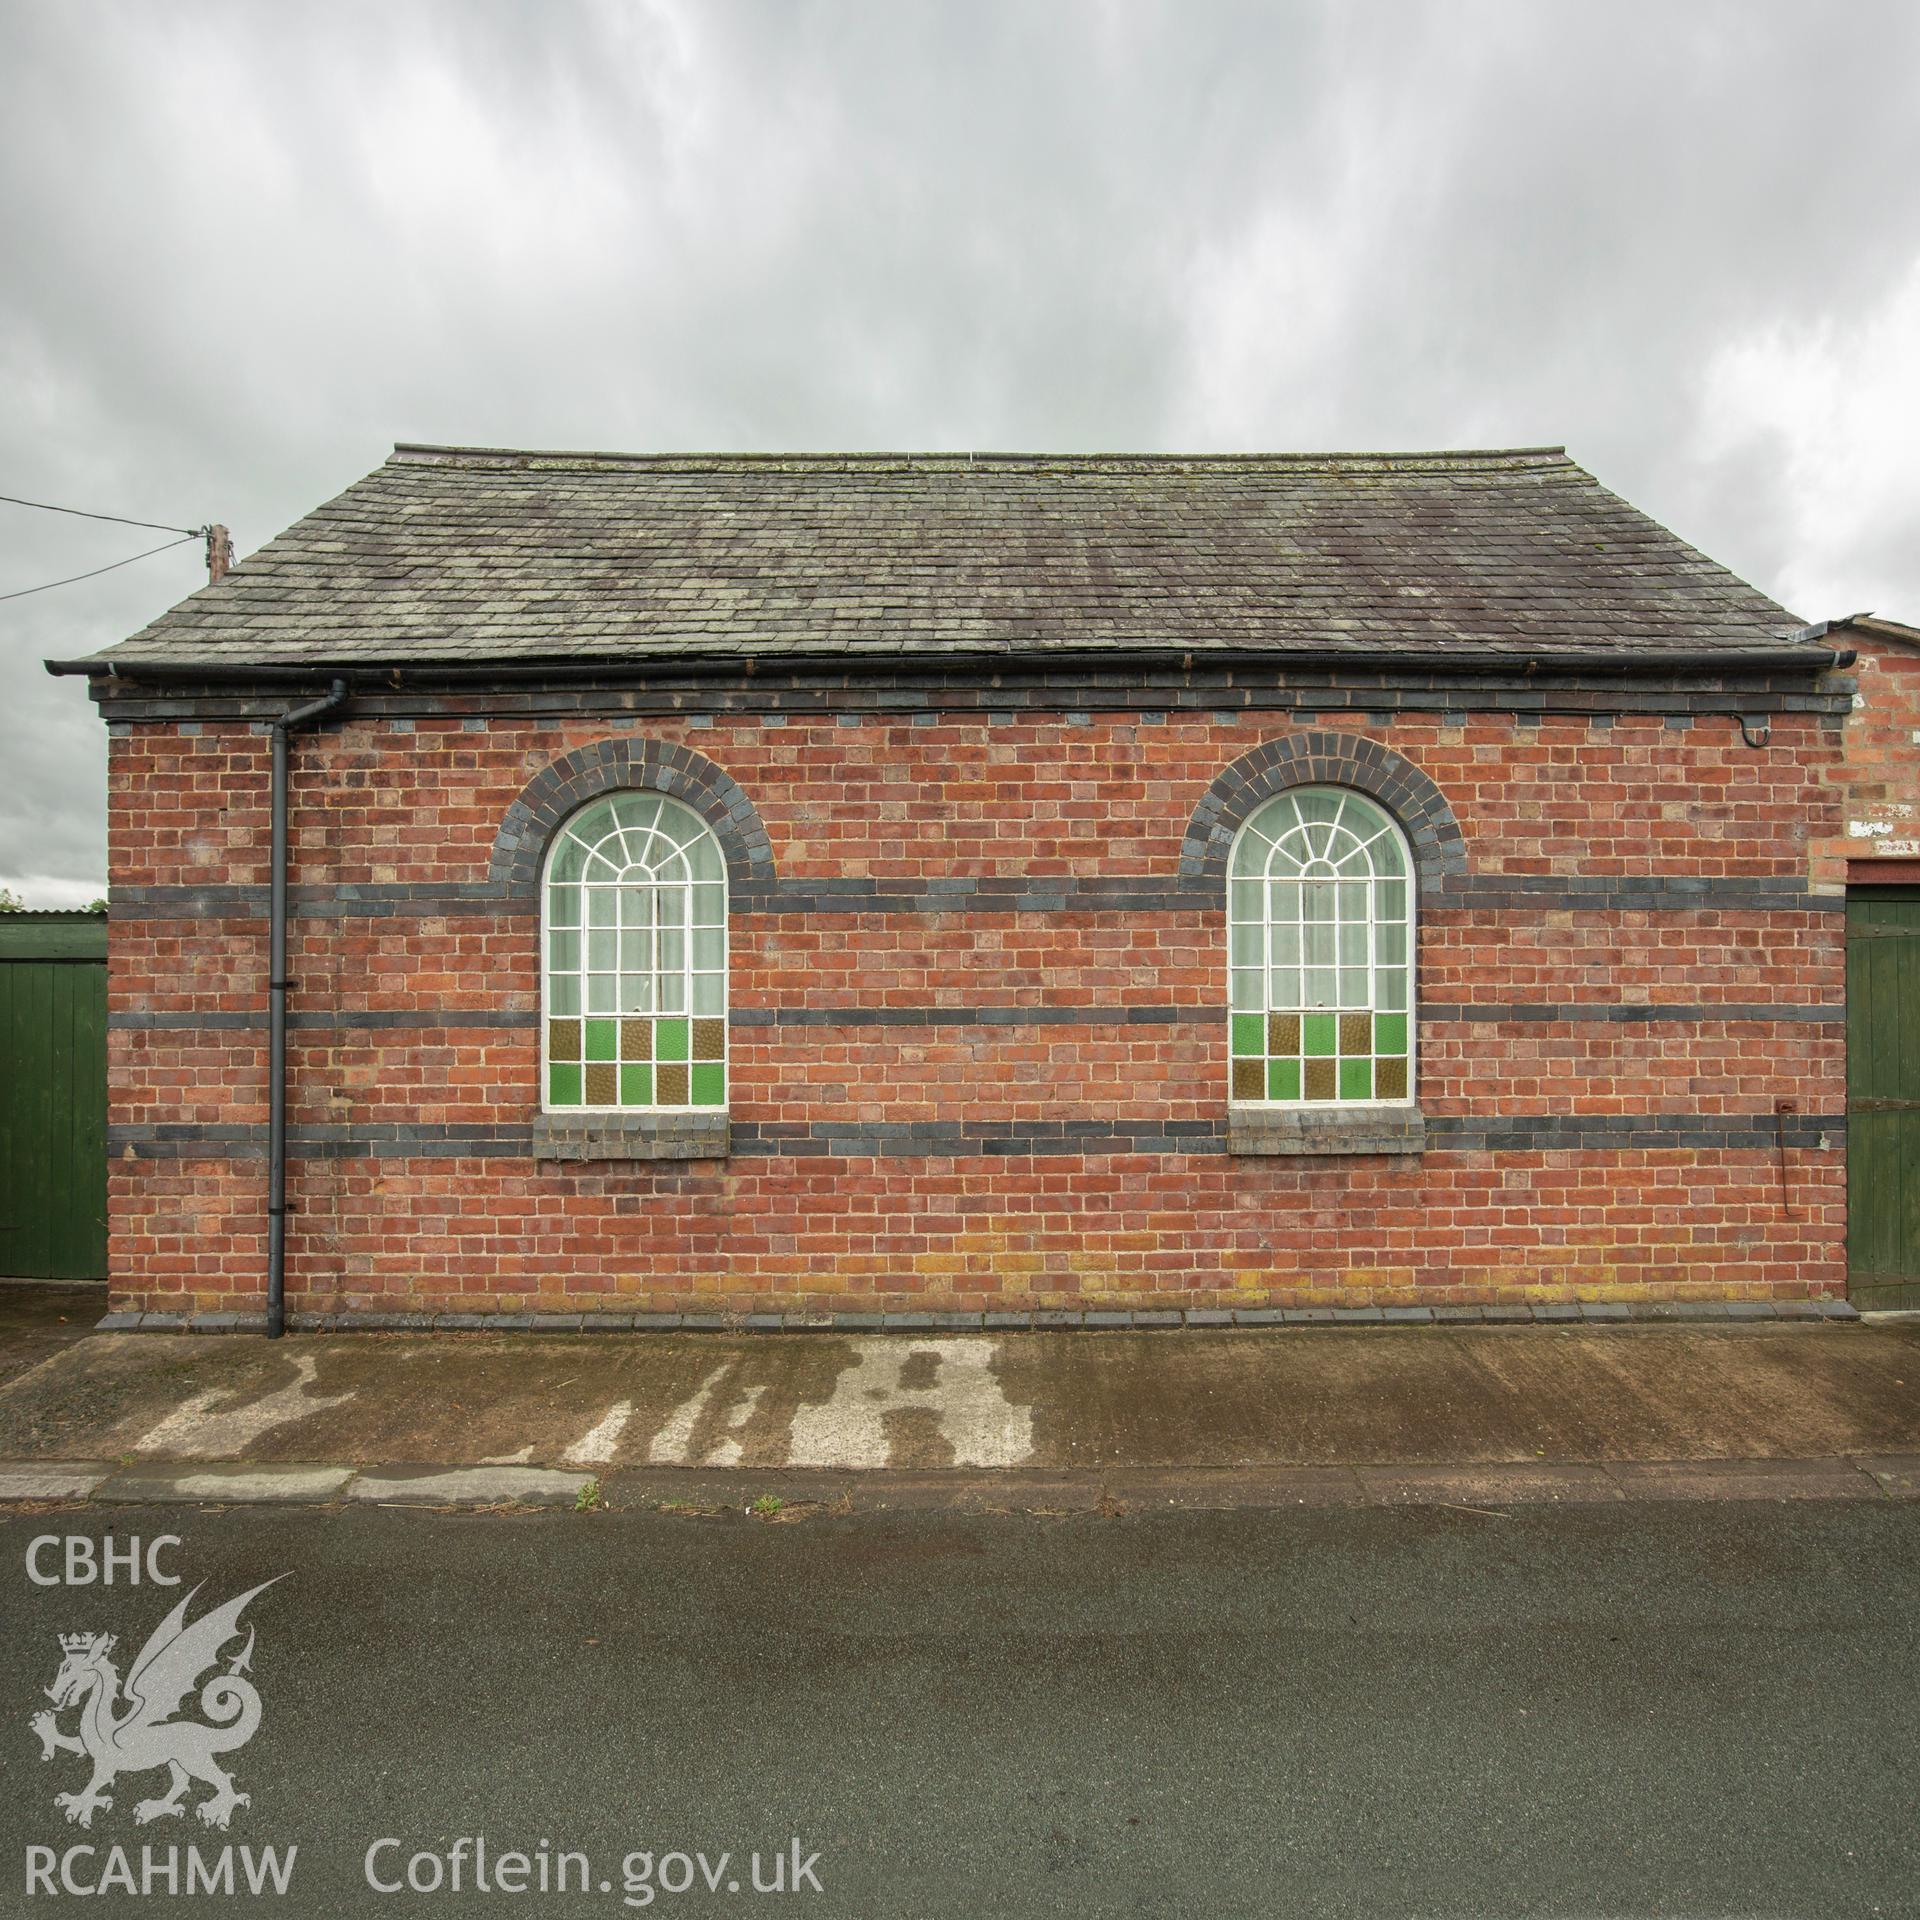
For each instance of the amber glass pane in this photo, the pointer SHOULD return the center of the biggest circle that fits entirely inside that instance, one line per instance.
(709, 1039)
(636, 1039)
(670, 1085)
(1390, 1080)
(1356, 1033)
(1283, 1033)
(563, 1039)
(603, 1085)
(1320, 1079)
(1249, 1079)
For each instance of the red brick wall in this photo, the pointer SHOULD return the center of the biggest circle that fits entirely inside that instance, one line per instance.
(883, 798)
(1880, 775)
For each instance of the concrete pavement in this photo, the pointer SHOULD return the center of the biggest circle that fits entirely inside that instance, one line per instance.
(1072, 1403)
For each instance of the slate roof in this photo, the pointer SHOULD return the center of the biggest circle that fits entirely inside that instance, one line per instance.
(471, 555)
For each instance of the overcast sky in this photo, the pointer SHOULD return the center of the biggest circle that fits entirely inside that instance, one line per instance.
(248, 247)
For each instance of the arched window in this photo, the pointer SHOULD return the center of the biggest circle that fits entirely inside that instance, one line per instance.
(634, 983)
(1320, 926)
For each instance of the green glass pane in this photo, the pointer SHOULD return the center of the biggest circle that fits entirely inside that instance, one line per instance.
(638, 810)
(563, 1085)
(1249, 1033)
(636, 1086)
(709, 1086)
(1390, 1033)
(1283, 1079)
(670, 1039)
(593, 821)
(1319, 1033)
(1356, 1079)
(603, 1040)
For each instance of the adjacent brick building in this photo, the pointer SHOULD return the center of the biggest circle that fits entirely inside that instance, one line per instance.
(1023, 882)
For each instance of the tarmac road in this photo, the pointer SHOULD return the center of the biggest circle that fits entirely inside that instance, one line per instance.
(1707, 1709)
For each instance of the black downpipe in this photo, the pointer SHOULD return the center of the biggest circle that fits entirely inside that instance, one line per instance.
(277, 985)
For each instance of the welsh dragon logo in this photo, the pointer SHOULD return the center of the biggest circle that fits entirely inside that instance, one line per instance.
(138, 1732)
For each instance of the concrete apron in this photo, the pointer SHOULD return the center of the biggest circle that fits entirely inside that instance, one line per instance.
(1331, 1414)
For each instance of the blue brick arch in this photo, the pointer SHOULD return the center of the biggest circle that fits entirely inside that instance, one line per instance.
(609, 766)
(1314, 759)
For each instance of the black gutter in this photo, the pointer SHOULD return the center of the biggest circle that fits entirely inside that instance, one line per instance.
(1520, 665)
(277, 985)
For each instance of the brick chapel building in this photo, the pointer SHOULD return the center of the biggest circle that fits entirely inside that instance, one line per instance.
(731, 885)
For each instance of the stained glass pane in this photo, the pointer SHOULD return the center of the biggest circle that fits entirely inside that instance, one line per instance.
(709, 1086)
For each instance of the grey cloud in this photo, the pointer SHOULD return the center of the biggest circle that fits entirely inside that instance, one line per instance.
(249, 247)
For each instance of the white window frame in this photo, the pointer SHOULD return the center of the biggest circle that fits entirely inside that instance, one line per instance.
(1374, 921)
(687, 972)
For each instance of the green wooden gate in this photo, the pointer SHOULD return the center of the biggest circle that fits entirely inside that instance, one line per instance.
(53, 1096)
(1883, 1097)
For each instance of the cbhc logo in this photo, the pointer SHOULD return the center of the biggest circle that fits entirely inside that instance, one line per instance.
(76, 1561)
